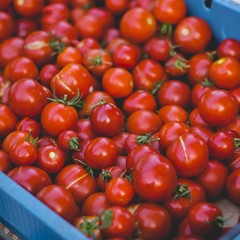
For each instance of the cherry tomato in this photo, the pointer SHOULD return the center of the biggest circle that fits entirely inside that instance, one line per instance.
(195, 119)
(202, 131)
(119, 140)
(229, 47)
(68, 140)
(5, 163)
(25, 26)
(7, 25)
(116, 7)
(232, 186)
(84, 130)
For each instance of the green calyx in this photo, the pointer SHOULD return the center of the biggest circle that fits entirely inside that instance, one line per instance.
(182, 191)
(57, 44)
(145, 139)
(100, 102)
(74, 144)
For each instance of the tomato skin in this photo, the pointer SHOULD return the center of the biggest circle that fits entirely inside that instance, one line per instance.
(174, 92)
(213, 178)
(25, 26)
(178, 207)
(119, 191)
(192, 34)
(143, 121)
(8, 120)
(94, 204)
(120, 140)
(202, 131)
(189, 154)
(60, 201)
(154, 178)
(122, 223)
(7, 26)
(52, 115)
(117, 82)
(201, 217)
(31, 178)
(77, 181)
(106, 120)
(169, 11)
(84, 130)
(210, 104)
(118, 7)
(224, 73)
(5, 163)
(137, 25)
(232, 186)
(153, 220)
(46, 74)
(71, 79)
(229, 47)
(101, 153)
(64, 137)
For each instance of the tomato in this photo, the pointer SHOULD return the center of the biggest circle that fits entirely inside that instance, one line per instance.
(101, 153)
(10, 49)
(70, 79)
(27, 98)
(119, 191)
(172, 113)
(189, 155)
(174, 92)
(94, 204)
(31, 178)
(153, 221)
(8, 120)
(78, 155)
(97, 61)
(143, 121)
(159, 50)
(21, 67)
(122, 223)
(112, 45)
(5, 163)
(137, 25)
(171, 131)
(148, 75)
(229, 47)
(85, 4)
(7, 26)
(50, 158)
(203, 218)
(202, 131)
(106, 119)
(146, 4)
(195, 119)
(213, 178)
(86, 44)
(111, 34)
(232, 186)
(236, 92)
(116, 7)
(5, 4)
(224, 72)
(60, 201)
(192, 34)
(46, 74)
(169, 11)
(76, 180)
(233, 163)
(119, 140)
(28, 8)
(154, 177)
(25, 26)
(68, 140)
(187, 194)
(107, 174)
(84, 130)
(218, 107)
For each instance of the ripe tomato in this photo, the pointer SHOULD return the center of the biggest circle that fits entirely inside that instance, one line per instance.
(116, 7)
(232, 186)
(101, 153)
(46, 74)
(195, 119)
(192, 34)
(143, 121)
(5, 163)
(153, 221)
(154, 177)
(77, 181)
(68, 140)
(31, 178)
(229, 47)
(189, 154)
(84, 130)
(25, 26)
(138, 25)
(60, 201)
(117, 82)
(202, 131)
(159, 50)
(218, 107)
(8, 120)
(6, 25)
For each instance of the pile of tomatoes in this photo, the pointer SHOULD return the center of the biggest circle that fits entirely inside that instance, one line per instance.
(121, 116)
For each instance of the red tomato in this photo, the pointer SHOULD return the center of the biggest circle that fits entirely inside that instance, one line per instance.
(5, 163)
(192, 34)
(159, 50)
(188, 154)
(71, 79)
(84, 130)
(86, 44)
(77, 181)
(68, 140)
(117, 82)
(8, 120)
(169, 11)
(154, 177)
(7, 26)
(25, 26)
(202, 131)
(195, 119)
(143, 121)
(153, 221)
(28, 8)
(60, 201)
(218, 107)
(232, 186)
(31, 178)
(119, 140)
(224, 72)
(229, 47)
(116, 7)
(46, 74)
(187, 194)
(101, 153)
(213, 178)
(137, 25)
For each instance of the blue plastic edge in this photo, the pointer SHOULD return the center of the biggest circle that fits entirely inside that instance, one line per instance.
(33, 219)
(223, 17)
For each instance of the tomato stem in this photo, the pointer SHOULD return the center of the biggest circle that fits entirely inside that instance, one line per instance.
(100, 102)
(182, 191)
(74, 144)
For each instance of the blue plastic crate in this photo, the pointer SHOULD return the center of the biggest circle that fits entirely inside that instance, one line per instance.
(223, 16)
(29, 218)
